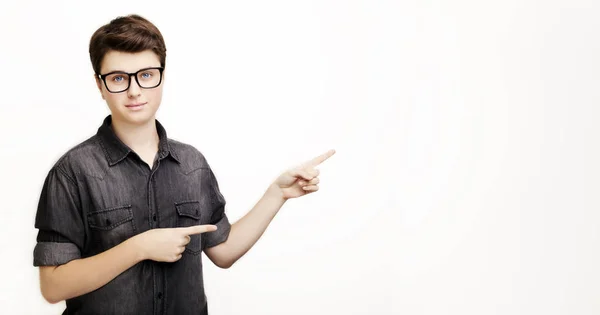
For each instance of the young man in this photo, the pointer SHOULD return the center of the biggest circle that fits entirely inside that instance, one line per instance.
(124, 216)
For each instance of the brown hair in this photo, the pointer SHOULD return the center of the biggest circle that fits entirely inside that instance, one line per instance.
(132, 34)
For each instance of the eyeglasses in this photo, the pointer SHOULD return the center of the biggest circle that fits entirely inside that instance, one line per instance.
(119, 81)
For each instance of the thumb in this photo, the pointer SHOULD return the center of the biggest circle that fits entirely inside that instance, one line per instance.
(197, 229)
(298, 172)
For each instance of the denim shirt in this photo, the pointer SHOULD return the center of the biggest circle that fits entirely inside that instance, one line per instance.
(100, 193)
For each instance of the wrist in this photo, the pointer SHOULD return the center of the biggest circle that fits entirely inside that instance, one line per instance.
(275, 193)
(135, 245)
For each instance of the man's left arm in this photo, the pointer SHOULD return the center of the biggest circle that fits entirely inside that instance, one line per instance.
(244, 233)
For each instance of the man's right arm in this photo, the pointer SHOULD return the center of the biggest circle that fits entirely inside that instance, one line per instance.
(81, 276)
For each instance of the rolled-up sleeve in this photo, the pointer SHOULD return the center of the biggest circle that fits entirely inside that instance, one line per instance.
(219, 217)
(59, 221)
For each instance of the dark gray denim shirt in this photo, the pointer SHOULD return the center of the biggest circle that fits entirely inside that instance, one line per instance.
(100, 193)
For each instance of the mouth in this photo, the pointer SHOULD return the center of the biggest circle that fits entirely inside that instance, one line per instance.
(136, 105)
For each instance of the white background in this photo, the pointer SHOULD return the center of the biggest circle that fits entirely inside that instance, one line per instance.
(466, 177)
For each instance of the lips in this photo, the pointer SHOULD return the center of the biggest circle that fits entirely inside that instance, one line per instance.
(135, 105)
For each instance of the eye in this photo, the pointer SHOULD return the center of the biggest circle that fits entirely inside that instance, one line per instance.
(118, 78)
(146, 75)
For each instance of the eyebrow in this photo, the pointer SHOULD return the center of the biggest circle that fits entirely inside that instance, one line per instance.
(123, 71)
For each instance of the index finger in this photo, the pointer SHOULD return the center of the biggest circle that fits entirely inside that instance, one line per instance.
(321, 158)
(197, 229)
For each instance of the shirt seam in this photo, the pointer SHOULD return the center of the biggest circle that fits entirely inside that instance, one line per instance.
(64, 173)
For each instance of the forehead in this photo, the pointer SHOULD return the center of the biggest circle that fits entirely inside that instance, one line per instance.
(128, 62)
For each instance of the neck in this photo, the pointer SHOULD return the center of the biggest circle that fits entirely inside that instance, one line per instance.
(140, 138)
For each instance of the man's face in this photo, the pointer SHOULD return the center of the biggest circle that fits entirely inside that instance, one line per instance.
(123, 104)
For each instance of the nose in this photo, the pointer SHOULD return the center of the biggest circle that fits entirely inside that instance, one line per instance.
(134, 89)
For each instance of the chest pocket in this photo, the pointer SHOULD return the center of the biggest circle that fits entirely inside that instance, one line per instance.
(109, 227)
(189, 213)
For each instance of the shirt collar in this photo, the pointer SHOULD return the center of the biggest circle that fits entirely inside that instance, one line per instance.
(115, 150)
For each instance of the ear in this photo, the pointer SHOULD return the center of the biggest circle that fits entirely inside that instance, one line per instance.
(99, 85)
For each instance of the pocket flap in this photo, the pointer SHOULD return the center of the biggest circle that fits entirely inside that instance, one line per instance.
(189, 209)
(110, 218)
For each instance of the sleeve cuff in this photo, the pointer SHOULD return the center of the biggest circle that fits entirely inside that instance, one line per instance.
(220, 235)
(54, 254)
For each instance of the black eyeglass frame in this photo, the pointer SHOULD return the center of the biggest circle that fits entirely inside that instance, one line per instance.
(134, 74)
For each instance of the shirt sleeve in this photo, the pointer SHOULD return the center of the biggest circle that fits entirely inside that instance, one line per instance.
(219, 217)
(58, 220)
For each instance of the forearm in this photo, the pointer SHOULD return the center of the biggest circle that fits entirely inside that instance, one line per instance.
(82, 276)
(247, 230)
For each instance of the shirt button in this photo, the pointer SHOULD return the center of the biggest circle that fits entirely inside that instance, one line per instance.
(159, 295)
